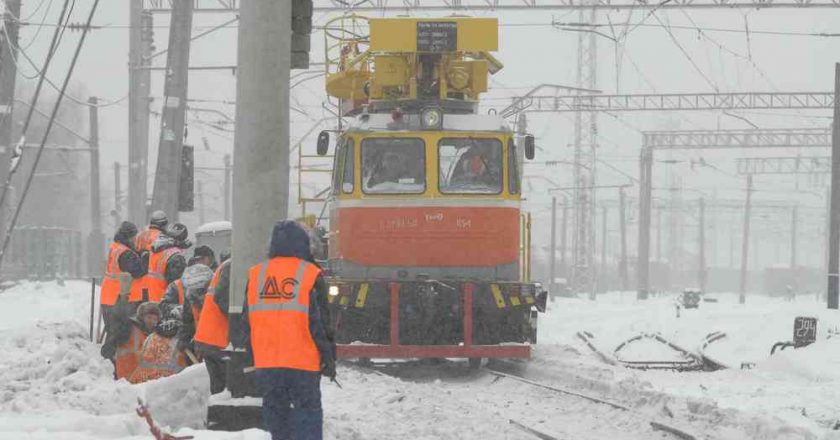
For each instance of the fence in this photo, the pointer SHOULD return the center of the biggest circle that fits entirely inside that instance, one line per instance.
(44, 253)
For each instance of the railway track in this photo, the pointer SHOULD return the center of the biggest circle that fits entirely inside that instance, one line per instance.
(656, 425)
(554, 414)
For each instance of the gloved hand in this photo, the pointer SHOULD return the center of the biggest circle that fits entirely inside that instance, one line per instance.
(328, 369)
(184, 345)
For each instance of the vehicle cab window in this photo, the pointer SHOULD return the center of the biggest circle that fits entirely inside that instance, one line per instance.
(470, 166)
(513, 168)
(349, 169)
(393, 166)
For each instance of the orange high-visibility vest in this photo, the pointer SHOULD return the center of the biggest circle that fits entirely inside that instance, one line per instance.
(110, 290)
(155, 280)
(212, 328)
(278, 311)
(179, 286)
(128, 354)
(145, 239)
(159, 358)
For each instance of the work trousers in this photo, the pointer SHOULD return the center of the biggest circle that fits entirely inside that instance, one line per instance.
(291, 403)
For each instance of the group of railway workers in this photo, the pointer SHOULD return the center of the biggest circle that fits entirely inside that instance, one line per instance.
(163, 313)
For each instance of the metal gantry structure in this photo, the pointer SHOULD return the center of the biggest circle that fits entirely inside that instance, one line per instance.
(407, 6)
(673, 101)
(707, 139)
(586, 104)
(784, 165)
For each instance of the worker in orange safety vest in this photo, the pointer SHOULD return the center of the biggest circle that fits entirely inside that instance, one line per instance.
(159, 356)
(123, 273)
(125, 342)
(166, 262)
(211, 334)
(147, 238)
(285, 337)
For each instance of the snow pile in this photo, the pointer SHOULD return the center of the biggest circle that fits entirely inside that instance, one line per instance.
(793, 394)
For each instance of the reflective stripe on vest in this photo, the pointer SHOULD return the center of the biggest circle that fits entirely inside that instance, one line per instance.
(296, 306)
(110, 290)
(279, 293)
(155, 279)
(212, 328)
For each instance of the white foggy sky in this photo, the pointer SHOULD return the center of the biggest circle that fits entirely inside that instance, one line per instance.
(532, 55)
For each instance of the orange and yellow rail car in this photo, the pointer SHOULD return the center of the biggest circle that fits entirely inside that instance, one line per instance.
(425, 219)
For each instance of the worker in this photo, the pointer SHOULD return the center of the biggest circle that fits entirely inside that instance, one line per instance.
(122, 260)
(211, 333)
(204, 255)
(196, 280)
(167, 261)
(159, 356)
(285, 337)
(157, 225)
(125, 342)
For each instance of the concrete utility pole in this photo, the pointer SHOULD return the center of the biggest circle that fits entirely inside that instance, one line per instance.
(96, 240)
(563, 234)
(261, 148)
(552, 251)
(834, 216)
(168, 174)
(117, 194)
(745, 241)
(226, 197)
(139, 88)
(701, 244)
(794, 219)
(603, 270)
(645, 189)
(8, 74)
(622, 265)
(200, 202)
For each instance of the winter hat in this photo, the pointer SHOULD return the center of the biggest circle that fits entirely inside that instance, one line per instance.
(204, 251)
(289, 239)
(178, 231)
(127, 230)
(197, 276)
(148, 308)
(168, 328)
(159, 219)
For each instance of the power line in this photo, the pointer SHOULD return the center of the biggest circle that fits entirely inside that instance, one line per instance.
(687, 55)
(40, 152)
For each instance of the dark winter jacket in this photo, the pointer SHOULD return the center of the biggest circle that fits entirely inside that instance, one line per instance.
(177, 263)
(188, 325)
(130, 261)
(289, 239)
(120, 330)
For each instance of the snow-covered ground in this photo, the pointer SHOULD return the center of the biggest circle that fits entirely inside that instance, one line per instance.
(54, 384)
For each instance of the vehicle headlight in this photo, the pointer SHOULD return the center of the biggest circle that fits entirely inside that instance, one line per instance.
(333, 291)
(431, 119)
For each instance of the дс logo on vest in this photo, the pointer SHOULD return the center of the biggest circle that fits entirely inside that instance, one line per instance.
(286, 289)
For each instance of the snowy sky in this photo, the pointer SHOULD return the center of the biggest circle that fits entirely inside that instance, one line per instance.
(533, 52)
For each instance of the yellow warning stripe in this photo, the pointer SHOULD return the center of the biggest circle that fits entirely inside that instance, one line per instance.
(360, 299)
(497, 296)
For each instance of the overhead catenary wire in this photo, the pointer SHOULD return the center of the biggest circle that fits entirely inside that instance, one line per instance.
(40, 152)
(17, 151)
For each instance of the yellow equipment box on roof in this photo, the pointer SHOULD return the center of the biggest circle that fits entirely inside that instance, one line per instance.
(435, 35)
(383, 63)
